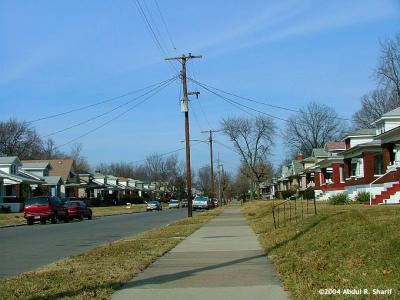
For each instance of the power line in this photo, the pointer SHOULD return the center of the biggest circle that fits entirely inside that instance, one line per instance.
(114, 118)
(166, 27)
(111, 110)
(166, 153)
(96, 103)
(153, 34)
(260, 102)
(235, 103)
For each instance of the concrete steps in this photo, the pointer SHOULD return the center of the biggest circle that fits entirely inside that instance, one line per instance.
(387, 194)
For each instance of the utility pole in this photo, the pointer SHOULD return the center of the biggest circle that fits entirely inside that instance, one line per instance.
(219, 182)
(185, 108)
(212, 190)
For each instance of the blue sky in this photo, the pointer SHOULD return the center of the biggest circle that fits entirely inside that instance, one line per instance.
(60, 55)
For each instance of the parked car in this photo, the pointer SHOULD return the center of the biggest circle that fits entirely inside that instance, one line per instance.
(78, 210)
(201, 203)
(184, 203)
(173, 203)
(216, 203)
(153, 205)
(45, 208)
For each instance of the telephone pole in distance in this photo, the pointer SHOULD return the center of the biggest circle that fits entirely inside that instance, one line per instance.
(185, 108)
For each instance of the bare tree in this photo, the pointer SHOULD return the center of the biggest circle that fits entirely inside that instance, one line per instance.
(252, 139)
(387, 95)
(81, 163)
(204, 180)
(241, 184)
(388, 71)
(155, 167)
(373, 106)
(313, 127)
(120, 169)
(19, 139)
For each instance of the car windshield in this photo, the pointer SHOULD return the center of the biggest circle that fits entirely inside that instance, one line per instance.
(173, 201)
(201, 199)
(153, 202)
(37, 201)
(71, 204)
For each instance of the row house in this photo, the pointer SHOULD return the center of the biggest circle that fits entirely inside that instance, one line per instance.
(16, 185)
(64, 168)
(366, 160)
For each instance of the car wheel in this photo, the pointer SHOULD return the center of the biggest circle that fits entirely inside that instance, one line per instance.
(89, 216)
(42, 221)
(29, 221)
(80, 217)
(66, 218)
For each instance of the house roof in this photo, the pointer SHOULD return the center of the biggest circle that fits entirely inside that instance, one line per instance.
(297, 167)
(358, 149)
(35, 165)
(335, 146)
(361, 132)
(59, 167)
(52, 180)
(8, 160)
(393, 114)
(20, 177)
(309, 159)
(318, 152)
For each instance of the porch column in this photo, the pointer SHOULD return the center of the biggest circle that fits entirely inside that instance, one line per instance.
(336, 173)
(323, 176)
(346, 168)
(368, 167)
(387, 149)
(316, 179)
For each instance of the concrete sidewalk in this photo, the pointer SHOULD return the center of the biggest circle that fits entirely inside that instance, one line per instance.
(222, 260)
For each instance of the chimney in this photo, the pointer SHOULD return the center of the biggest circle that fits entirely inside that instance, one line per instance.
(299, 156)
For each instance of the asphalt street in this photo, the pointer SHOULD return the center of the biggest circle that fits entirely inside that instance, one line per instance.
(28, 247)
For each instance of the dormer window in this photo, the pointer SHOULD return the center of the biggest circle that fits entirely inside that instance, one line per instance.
(13, 169)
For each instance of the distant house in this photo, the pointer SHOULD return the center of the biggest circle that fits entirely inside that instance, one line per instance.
(65, 168)
(41, 171)
(16, 185)
(331, 179)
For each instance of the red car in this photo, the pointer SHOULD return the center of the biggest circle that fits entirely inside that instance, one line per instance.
(45, 208)
(78, 210)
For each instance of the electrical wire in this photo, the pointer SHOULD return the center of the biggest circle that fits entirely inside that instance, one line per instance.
(153, 35)
(96, 103)
(166, 26)
(167, 153)
(237, 104)
(260, 102)
(114, 118)
(111, 110)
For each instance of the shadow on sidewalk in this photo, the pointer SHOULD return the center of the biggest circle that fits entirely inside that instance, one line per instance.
(176, 276)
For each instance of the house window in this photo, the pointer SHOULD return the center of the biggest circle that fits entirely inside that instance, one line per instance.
(13, 169)
(341, 174)
(353, 168)
(9, 190)
(360, 167)
(378, 164)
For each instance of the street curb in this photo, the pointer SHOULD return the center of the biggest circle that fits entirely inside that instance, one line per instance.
(127, 213)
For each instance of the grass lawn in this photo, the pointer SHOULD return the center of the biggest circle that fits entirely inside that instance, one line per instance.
(343, 247)
(98, 273)
(12, 219)
(18, 218)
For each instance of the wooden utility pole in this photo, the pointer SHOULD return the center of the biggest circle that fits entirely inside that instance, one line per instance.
(185, 108)
(219, 182)
(210, 140)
